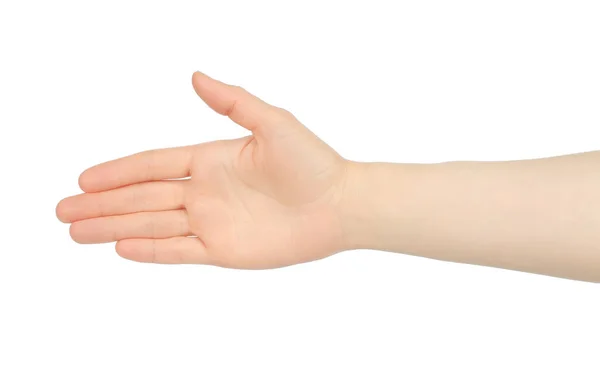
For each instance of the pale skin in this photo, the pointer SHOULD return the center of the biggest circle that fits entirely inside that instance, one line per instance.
(281, 196)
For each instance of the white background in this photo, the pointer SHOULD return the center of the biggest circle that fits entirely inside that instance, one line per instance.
(82, 82)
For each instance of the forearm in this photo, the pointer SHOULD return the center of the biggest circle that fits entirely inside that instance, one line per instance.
(539, 216)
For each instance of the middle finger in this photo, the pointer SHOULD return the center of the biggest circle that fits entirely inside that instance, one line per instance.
(142, 197)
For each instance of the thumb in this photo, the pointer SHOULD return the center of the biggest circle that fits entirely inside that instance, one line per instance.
(240, 106)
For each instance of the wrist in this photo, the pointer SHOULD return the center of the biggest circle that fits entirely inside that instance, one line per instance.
(351, 211)
(370, 202)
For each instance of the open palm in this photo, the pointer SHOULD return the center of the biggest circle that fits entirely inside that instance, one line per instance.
(266, 200)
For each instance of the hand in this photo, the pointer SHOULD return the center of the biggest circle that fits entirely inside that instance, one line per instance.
(267, 200)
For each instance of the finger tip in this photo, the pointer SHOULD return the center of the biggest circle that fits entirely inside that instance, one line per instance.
(74, 233)
(121, 246)
(61, 212)
(203, 82)
(197, 78)
(199, 75)
(125, 251)
(84, 182)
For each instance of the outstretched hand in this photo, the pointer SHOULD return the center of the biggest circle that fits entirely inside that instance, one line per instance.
(267, 200)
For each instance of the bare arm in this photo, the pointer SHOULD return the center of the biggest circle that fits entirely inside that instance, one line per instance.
(540, 216)
(281, 196)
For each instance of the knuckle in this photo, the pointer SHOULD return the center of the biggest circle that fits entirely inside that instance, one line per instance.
(148, 228)
(115, 229)
(183, 223)
(153, 251)
(239, 89)
(284, 114)
(148, 163)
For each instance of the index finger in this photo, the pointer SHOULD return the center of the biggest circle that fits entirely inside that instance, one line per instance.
(145, 166)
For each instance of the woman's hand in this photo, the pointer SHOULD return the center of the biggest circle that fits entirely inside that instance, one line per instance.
(267, 200)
